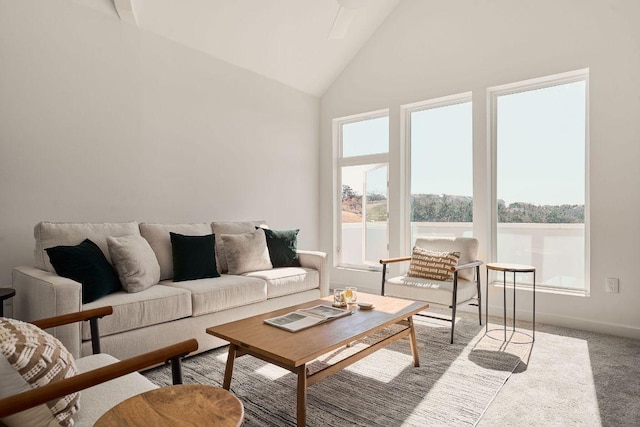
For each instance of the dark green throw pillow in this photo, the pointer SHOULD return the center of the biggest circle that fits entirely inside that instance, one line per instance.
(194, 257)
(283, 247)
(85, 263)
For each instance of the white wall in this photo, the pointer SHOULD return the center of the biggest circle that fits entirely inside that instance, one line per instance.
(432, 48)
(100, 121)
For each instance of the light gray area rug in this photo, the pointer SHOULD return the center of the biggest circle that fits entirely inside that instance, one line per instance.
(452, 387)
(573, 378)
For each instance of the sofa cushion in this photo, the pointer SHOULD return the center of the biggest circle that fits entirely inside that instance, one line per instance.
(246, 252)
(283, 247)
(157, 304)
(50, 234)
(222, 293)
(238, 227)
(85, 263)
(439, 292)
(135, 262)
(287, 280)
(194, 257)
(158, 237)
(32, 358)
(97, 400)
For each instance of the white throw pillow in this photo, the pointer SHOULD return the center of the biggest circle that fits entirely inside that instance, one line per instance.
(135, 262)
(230, 227)
(246, 252)
(31, 358)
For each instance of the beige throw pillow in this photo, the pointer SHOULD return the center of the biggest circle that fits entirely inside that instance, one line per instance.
(433, 265)
(135, 262)
(230, 227)
(31, 358)
(246, 252)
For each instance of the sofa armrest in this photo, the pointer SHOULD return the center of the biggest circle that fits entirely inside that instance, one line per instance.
(318, 261)
(40, 294)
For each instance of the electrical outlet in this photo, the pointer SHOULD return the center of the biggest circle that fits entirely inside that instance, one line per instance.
(612, 285)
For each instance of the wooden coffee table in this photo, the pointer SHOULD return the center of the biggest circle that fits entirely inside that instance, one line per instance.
(293, 350)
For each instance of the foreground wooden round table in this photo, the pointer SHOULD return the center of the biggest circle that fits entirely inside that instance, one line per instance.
(186, 405)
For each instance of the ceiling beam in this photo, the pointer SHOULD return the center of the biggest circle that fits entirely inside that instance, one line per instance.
(125, 11)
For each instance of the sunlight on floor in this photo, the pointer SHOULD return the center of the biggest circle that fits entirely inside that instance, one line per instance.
(387, 365)
(557, 375)
(575, 373)
(271, 372)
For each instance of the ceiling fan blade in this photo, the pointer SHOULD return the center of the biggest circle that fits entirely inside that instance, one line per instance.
(341, 23)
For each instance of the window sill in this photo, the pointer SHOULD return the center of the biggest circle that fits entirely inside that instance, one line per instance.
(361, 269)
(545, 289)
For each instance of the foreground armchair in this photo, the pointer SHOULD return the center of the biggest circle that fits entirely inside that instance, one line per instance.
(429, 281)
(104, 380)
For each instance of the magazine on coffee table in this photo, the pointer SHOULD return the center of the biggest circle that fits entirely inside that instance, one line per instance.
(307, 317)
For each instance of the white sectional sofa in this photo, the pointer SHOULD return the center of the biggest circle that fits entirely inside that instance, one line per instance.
(167, 312)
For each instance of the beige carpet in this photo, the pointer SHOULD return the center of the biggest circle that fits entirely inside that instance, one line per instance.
(453, 386)
(572, 378)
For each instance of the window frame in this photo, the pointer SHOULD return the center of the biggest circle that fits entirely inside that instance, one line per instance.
(493, 93)
(339, 163)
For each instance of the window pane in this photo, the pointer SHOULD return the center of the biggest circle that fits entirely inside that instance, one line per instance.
(364, 227)
(442, 171)
(365, 137)
(541, 182)
(377, 214)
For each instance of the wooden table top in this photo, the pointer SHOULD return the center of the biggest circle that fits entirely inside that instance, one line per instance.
(517, 268)
(193, 404)
(294, 349)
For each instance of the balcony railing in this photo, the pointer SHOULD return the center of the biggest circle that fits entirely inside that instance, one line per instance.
(556, 250)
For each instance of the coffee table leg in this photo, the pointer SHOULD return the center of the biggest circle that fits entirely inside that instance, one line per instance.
(229, 369)
(414, 343)
(301, 409)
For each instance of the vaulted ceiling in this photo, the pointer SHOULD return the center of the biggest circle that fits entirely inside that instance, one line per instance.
(285, 40)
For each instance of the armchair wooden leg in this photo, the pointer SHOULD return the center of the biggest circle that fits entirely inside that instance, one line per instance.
(95, 335)
(176, 370)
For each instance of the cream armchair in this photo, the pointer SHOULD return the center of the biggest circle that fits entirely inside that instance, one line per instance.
(104, 380)
(464, 287)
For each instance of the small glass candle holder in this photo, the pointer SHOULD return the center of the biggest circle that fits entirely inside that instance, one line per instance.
(351, 295)
(339, 298)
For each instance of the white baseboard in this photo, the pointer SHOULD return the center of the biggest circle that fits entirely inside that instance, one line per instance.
(570, 322)
(589, 325)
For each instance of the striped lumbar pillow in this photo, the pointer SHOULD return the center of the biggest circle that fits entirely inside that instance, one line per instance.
(432, 265)
(31, 358)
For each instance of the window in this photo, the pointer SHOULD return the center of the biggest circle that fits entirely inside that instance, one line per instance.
(440, 148)
(362, 192)
(540, 144)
